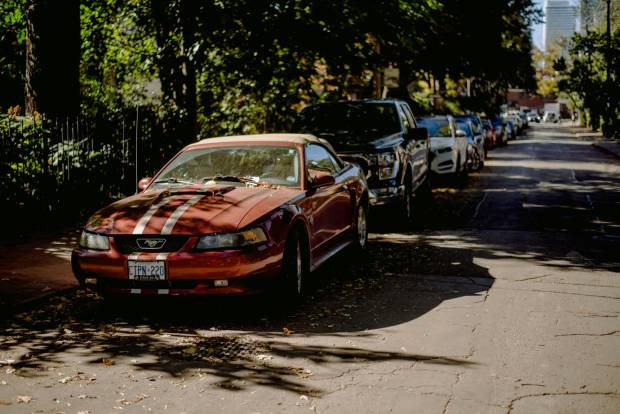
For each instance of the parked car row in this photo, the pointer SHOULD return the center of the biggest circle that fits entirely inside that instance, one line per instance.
(242, 214)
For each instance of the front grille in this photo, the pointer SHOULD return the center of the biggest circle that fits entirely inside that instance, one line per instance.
(129, 244)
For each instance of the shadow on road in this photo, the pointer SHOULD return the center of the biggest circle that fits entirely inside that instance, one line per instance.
(547, 211)
(349, 297)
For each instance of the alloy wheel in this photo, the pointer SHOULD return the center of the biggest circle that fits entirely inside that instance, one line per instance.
(362, 227)
(299, 267)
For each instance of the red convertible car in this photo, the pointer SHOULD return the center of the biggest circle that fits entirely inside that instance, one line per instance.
(228, 215)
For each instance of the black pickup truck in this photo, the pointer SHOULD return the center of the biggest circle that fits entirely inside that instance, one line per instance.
(382, 137)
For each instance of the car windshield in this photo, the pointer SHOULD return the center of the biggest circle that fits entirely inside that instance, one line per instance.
(476, 125)
(350, 122)
(437, 127)
(245, 165)
(464, 125)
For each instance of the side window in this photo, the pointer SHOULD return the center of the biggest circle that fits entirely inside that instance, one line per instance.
(476, 128)
(319, 159)
(403, 119)
(409, 116)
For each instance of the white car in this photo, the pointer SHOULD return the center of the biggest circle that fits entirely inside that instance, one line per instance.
(448, 146)
(516, 120)
(550, 117)
(475, 142)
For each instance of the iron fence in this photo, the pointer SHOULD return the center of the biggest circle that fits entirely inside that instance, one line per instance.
(61, 169)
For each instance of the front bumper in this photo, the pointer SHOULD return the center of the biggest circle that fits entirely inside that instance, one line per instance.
(386, 195)
(188, 272)
(444, 163)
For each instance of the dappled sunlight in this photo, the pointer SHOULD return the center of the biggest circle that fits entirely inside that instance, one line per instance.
(558, 165)
(60, 248)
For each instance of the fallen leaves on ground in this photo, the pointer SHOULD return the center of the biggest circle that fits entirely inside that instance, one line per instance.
(108, 361)
(301, 372)
(24, 399)
(139, 397)
(86, 397)
(287, 332)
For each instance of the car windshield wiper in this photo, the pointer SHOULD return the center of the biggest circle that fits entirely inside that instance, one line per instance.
(172, 180)
(234, 178)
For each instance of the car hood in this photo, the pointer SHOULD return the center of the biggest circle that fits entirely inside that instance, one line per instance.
(189, 210)
(344, 145)
(442, 142)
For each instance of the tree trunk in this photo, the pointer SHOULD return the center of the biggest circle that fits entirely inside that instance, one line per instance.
(177, 71)
(53, 57)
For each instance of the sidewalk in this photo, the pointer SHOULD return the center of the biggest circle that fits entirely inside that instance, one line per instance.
(35, 269)
(609, 146)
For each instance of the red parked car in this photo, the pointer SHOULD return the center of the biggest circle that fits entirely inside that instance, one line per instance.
(490, 140)
(228, 215)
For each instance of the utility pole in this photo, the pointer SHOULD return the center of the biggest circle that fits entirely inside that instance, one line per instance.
(608, 113)
(608, 60)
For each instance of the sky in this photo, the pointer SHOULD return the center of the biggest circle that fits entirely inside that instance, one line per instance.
(538, 28)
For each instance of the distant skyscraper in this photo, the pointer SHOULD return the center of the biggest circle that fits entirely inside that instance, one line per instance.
(560, 22)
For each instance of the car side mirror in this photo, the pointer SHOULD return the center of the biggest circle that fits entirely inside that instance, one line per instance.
(460, 133)
(419, 134)
(144, 183)
(322, 179)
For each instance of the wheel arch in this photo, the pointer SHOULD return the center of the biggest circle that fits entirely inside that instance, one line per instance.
(300, 226)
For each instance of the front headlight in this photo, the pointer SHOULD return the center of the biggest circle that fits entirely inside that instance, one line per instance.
(93, 241)
(388, 165)
(232, 240)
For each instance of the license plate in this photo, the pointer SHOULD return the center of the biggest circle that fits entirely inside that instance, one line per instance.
(151, 270)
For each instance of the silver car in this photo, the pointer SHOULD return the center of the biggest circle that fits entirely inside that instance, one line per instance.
(448, 145)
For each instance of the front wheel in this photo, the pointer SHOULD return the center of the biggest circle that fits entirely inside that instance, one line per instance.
(361, 230)
(295, 267)
(407, 206)
(473, 159)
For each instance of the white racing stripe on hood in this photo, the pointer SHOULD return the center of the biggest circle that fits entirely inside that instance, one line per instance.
(144, 220)
(172, 220)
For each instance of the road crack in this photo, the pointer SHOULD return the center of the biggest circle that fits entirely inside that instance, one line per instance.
(589, 334)
(556, 394)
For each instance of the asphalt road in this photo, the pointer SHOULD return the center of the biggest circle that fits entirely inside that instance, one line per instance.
(504, 299)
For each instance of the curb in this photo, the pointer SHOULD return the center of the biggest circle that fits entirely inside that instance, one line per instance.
(606, 150)
(24, 305)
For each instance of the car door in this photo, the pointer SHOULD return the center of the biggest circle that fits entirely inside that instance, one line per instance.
(461, 143)
(330, 207)
(418, 149)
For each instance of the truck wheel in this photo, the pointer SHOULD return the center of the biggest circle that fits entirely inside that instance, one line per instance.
(407, 207)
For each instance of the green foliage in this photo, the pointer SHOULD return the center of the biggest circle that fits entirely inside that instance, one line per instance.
(214, 67)
(591, 84)
(12, 57)
(117, 54)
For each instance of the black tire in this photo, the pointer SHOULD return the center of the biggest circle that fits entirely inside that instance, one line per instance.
(473, 162)
(460, 177)
(360, 235)
(406, 208)
(424, 193)
(294, 267)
